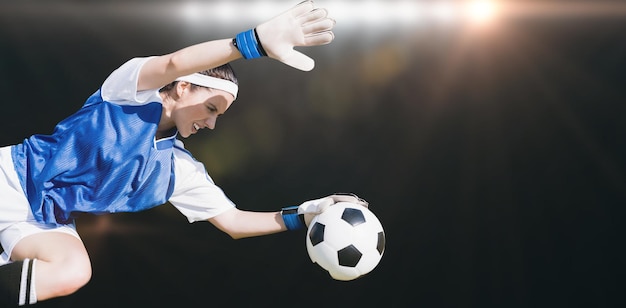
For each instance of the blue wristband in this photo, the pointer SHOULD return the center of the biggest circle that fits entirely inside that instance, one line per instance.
(248, 44)
(293, 220)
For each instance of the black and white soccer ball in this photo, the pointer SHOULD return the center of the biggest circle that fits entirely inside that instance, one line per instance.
(347, 240)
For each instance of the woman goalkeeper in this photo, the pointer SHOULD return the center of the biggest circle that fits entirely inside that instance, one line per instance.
(120, 153)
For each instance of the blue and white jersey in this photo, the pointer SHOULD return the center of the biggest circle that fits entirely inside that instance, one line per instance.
(105, 159)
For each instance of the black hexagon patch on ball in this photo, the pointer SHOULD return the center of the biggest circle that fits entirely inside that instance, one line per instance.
(317, 233)
(349, 256)
(381, 242)
(353, 216)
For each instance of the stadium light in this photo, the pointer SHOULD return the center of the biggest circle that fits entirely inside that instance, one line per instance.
(481, 11)
(369, 13)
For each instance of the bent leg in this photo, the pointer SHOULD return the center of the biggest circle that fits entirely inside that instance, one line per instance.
(62, 266)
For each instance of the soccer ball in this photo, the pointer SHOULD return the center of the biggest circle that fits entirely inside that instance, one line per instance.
(347, 240)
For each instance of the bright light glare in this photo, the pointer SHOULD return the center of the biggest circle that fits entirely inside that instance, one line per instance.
(371, 10)
(190, 11)
(376, 13)
(408, 12)
(391, 13)
(225, 10)
(481, 11)
(443, 11)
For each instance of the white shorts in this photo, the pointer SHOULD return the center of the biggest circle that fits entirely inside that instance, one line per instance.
(16, 218)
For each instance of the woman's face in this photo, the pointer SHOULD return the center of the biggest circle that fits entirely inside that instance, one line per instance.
(199, 108)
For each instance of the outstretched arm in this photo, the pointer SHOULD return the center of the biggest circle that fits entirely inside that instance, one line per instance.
(240, 224)
(303, 25)
(161, 70)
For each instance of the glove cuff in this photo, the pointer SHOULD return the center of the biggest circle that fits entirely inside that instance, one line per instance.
(249, 45)
(293, 220)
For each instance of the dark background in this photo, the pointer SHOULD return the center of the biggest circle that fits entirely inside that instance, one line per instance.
(494, 157)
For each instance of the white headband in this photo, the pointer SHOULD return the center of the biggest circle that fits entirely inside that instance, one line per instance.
(211, 82)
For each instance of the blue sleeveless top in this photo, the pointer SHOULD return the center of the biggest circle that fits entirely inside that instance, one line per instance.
(102, 159)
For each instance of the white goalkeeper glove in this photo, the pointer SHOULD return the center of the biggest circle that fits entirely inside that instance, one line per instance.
(299, 217)
(302, 25)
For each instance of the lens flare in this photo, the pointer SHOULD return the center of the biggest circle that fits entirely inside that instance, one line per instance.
(481, 12)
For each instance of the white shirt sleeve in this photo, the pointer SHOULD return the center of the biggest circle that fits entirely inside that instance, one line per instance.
(121, 86)
(195, 194)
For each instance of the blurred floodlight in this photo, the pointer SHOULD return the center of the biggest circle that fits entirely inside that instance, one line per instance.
(225, 10)
(191, 11)
(371, 12)
(481, 11)
(367, 13)
(355, 15)
(445, 11)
